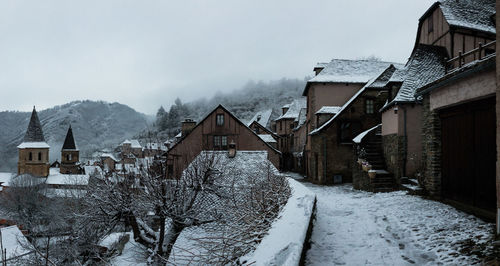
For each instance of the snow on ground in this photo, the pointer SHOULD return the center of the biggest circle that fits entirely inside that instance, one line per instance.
(132, 254)
(357, 228)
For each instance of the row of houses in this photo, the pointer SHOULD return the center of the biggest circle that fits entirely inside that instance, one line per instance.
(430, 121)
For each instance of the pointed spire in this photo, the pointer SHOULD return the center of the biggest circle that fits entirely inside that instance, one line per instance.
(34, 132)
(69, 142)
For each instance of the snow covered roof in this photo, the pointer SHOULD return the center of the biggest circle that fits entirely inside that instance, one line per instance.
(14, 242)
(33, 145)
(360, 137)
(135, 144)
(320, 65)
(126, 142)
(90, 170)
(179, 135)
(5, 178)
(350, 71)
(469, 14)
(267, 138)
(69, 141)
(329, 110)
(155, 146)
(109, 155)
(261, 117)
(294, 109)
(56, 178)
(65, 192)
(382, 75)
(34, 132)
(301, 119)
(426, 65)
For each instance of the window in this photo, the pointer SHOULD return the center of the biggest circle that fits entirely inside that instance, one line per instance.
(39, 156)
(30, 157)
(216, 141)
(349, 130)
(224, 142)
(220, 119)
(369, 106)
(430, 25)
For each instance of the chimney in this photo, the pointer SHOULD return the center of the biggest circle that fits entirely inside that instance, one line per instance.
(187, 126)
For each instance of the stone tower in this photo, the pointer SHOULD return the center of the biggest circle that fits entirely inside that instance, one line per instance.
(34, 151)
(70, 155)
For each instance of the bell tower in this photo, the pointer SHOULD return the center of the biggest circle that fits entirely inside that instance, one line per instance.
(33, 151)
(70, 155)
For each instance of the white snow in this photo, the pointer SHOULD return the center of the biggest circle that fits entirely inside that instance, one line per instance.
(14, 242)
(109, 155)
(267, 138)
(56, 178)
(132, 254)
(284, 242)
(360, 137)
(350, 71)
(33, 145)
(363, 228)
(329, 110)
(5, 179)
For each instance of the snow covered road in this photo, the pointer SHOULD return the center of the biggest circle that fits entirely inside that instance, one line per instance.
(362, 228)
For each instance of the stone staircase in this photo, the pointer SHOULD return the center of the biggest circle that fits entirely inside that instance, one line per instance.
(383, 181)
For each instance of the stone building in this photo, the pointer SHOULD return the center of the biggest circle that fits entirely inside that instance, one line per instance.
(285, 125)
(331, 146)
(70, 155)
(401, 116)
(219, 130)
(334, 84)
(33, 151)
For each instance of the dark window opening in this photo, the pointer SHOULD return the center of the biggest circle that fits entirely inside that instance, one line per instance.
(369, 106)
(348, 131)
(224, 142)
(217, 142)
(30, 157)
(220, 119)
(39, 156)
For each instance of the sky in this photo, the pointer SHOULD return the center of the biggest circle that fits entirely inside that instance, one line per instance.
(147, 53)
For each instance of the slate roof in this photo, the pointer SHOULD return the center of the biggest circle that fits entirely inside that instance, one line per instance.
(294, 109)
(69, 141)
(262, 117)
(426, 65)
(34, 132)
(470, 14)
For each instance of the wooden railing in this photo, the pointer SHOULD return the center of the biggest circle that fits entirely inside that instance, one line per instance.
(452, 63)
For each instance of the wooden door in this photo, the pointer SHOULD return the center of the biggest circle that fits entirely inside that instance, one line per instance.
(468, 158)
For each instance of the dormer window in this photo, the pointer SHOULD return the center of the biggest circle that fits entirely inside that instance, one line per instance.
(220, 119)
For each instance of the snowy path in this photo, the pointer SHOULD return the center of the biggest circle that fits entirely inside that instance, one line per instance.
(361, 228)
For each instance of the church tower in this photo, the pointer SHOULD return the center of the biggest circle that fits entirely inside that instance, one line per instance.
(33, 151)
(70, 156)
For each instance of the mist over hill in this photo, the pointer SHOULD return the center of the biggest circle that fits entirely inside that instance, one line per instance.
(244, 102)
(96, 125)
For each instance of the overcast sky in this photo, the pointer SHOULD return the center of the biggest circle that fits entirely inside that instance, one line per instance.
(147, 53)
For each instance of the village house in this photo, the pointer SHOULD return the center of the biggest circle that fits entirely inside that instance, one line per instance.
(331, 142)
(261, 124)
(285, 125)
(333, 86)
(401, 115)
(219, 130)
(299, 141)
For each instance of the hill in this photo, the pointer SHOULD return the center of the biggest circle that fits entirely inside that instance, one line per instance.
(96, 125)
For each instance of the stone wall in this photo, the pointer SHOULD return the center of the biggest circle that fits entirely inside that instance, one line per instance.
(393, 147)
(360, 179)
(431, 155)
